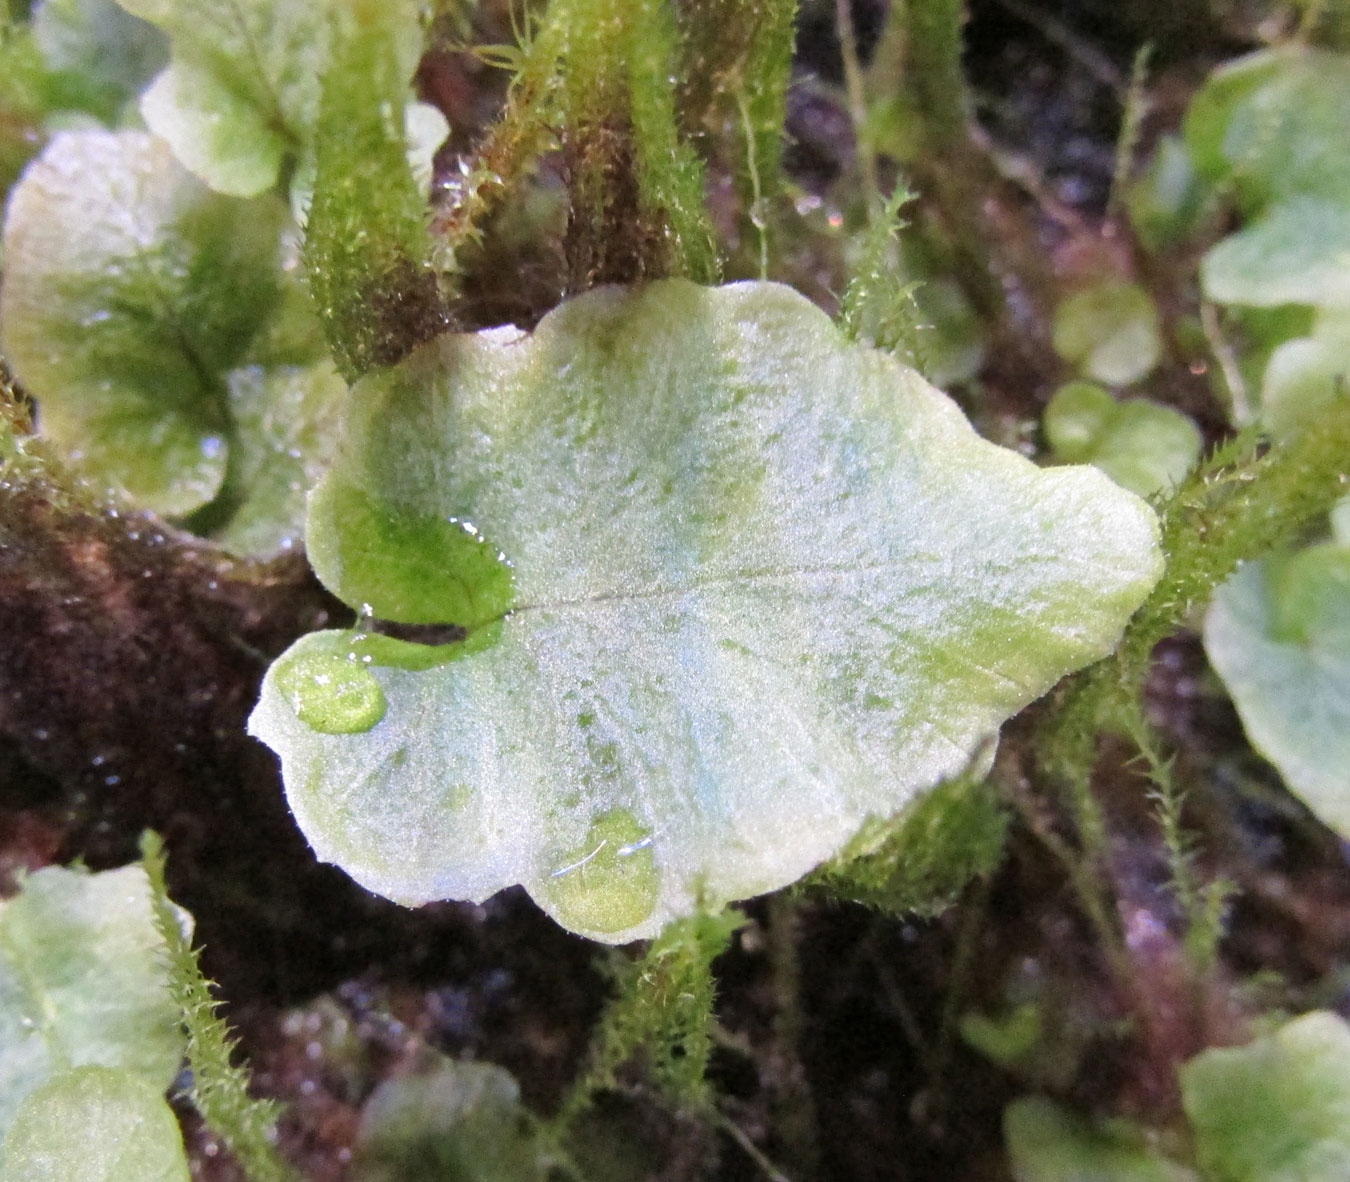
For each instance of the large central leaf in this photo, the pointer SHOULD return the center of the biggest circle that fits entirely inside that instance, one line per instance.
(732, 585)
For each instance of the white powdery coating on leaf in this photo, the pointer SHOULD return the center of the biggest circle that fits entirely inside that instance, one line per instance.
(768, 584)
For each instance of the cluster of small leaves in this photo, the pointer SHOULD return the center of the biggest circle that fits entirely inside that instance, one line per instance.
(1142, 445)
(219, 1087)
(661, 1015)
(1270, 1111)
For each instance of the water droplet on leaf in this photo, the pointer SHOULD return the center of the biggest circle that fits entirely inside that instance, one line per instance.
(330, 694)
(610, 881)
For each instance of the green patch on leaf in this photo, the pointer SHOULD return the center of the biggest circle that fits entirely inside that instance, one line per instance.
(1141, 445)
(767, 584)
(1278, 634)
(95, 1124)
(82, 982)
(1110, 331)
(1274, 1110)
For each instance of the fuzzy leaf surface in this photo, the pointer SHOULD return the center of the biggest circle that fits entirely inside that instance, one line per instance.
(81, 983)
(763, 584)
(124, 303)
(95, 1124)
(1274, 122)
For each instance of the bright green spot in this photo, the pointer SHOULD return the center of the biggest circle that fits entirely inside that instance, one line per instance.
(1275, 1109)
(330, 693)
(457, 1122)
(82, 982)
(1278, 633)
(1005, 1039)
(609, 882)
(786, 580)
(1047, 1143)
(1110, 331)
(129, 291)
(1141, 445)
(415, 568)
(95, 1124)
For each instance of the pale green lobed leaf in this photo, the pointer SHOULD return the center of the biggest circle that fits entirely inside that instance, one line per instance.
(1277, 1109)
(1110, 331)
(763, 585)
(124, 303)
(240, 98)
(242, 89)
(95, 1124)
(1304, 380)
(457, 1120)
(1278, 634)
(1274, 123)
(223, 137)
(82, 982)
(1297, 252)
